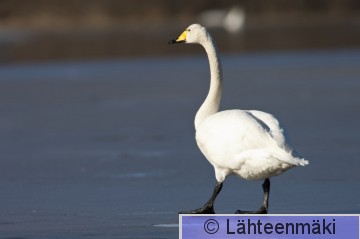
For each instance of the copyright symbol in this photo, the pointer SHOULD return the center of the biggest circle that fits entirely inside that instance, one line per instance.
(211, 226)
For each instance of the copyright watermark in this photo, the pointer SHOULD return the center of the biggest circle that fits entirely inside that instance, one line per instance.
(269, 226)
(211, 226)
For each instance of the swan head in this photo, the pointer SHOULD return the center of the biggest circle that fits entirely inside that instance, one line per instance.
(195, 33)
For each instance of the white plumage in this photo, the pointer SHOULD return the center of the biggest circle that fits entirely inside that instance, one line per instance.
(247, 143)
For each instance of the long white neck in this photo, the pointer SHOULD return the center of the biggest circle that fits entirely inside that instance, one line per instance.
(212, 101)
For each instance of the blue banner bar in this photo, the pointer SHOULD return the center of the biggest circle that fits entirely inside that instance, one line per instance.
(269, 226)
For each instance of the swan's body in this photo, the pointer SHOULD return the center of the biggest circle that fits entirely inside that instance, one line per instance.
(247, 143)
(238, 142)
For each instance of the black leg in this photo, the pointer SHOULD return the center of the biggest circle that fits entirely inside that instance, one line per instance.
(208, 208)
(265, 205)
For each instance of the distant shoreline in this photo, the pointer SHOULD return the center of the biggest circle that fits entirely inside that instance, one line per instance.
(65, 30)
(22, 45)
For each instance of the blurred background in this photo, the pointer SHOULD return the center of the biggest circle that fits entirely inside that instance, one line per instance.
(78, 29)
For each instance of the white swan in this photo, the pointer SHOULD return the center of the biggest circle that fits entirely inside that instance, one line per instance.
(247, 143)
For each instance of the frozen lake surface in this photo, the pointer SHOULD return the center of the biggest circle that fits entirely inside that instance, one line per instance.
(106, 149)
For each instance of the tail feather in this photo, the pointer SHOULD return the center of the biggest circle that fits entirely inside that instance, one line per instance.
(301, 162)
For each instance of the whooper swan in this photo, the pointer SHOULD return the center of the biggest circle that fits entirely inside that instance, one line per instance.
(247, 143)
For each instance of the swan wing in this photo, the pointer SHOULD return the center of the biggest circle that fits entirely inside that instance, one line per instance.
(273, 126)
(270, 124)
(225, 136)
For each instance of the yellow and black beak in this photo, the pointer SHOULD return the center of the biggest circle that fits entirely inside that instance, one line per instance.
(181, 38)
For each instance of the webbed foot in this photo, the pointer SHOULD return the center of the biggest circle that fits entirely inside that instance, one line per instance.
(206, 209)
(262, 210)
